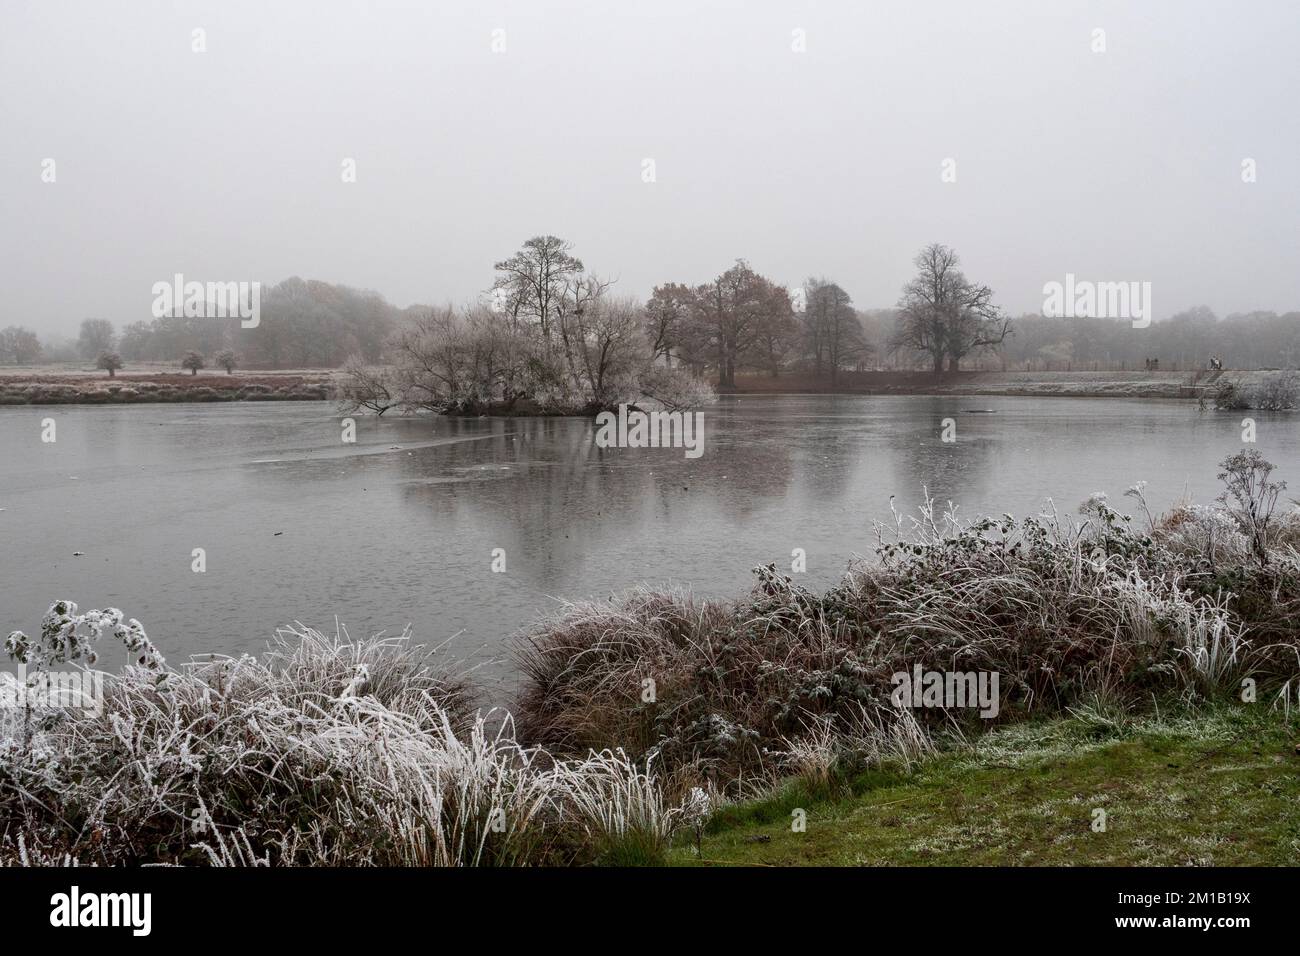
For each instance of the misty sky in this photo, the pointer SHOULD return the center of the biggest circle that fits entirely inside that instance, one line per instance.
(226, 165)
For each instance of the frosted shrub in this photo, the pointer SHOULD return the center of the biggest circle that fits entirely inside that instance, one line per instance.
(696, 809)
(1060, 609)
(1204, 531)
(1287, 535)
(1277, 392)
(68, 636)
(1252, 496)
(40, 692)
(676, 389)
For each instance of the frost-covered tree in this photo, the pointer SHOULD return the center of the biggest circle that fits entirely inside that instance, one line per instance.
(109, 361)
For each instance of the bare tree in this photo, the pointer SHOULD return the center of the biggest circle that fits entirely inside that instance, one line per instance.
(977, 326)
(431, 371)
(532, 282)
(582, 296)
(666, 317)
(776, 332)
(366, 387)
(943, 314)
(19, 345)
(568, 347)
(725, 321)
(613, 349)
(814, 322)
(96, 336)
(832, 329)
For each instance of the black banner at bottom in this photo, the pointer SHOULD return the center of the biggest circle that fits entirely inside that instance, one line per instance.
(336, 906)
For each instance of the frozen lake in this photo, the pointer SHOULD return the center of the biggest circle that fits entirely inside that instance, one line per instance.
(400, 527)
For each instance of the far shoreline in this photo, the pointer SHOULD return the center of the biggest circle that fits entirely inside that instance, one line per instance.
(1184, 385)
(42, 387)
(75, 386)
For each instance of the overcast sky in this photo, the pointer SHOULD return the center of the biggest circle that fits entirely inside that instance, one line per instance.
(226, 165)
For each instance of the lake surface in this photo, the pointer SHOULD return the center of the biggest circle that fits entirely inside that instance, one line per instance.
(400, 527)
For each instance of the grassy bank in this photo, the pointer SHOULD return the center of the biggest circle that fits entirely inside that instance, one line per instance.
(72, 387)
(1190, 384)
(1209, 788)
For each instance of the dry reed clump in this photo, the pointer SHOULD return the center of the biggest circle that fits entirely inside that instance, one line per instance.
(1060, 610)
(873, 736)
(325, 752)
(598, 667)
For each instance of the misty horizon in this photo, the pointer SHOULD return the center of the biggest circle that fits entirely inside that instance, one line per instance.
(1106, 165)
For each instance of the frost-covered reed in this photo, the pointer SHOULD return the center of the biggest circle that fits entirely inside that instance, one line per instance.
(322, 751)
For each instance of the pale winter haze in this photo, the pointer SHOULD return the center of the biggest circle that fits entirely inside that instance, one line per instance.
(227, 164)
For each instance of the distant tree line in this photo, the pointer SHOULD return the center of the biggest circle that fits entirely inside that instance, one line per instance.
(303, 324)
(549, 327)
(554, 335)
(743, 320)
(1243, 340)
(19, 346)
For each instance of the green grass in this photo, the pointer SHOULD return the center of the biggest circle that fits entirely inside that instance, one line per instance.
(1215, 788)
